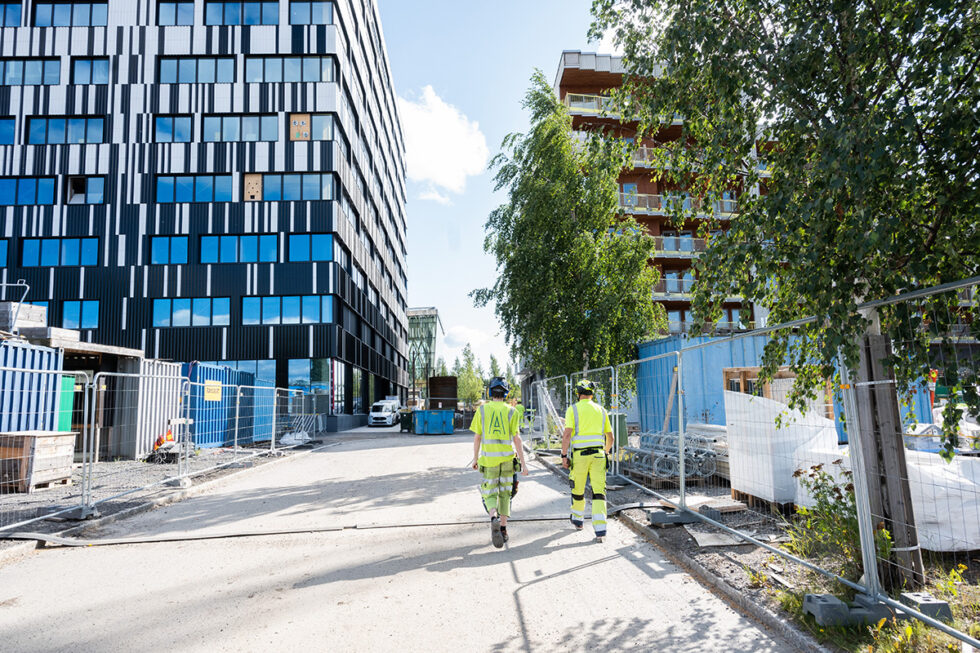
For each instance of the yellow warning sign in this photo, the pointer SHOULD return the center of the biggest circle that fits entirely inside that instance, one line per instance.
(212, 391)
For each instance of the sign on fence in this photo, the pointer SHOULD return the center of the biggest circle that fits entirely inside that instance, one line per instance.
(212, 391)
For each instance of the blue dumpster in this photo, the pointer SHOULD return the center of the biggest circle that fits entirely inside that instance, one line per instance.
(433, 422)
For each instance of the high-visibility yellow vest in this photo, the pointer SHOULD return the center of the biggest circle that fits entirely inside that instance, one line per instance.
(589, 423)
(497, 423)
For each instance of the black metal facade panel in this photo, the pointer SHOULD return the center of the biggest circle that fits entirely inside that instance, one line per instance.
(124, 281)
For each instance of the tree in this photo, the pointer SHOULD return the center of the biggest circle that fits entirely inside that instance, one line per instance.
(441, 369)
(515, 386)
(864, 115)
(574, 288)
(494, 366)
(456, 369)
(469, 379)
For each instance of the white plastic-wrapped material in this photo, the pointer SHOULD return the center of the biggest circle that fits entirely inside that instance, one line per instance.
(761, 454)
(945, 496)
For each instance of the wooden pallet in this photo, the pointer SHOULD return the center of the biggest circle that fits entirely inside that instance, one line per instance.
(763, 505)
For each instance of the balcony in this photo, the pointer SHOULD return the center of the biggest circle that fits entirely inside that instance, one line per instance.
(722, 327)
(589, 105)
(674, 288)
(640, 204)
(679, 246)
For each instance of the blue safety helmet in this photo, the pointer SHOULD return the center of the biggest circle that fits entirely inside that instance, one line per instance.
(498, 387)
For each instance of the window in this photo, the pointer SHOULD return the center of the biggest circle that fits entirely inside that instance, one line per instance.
(196, 70)
(229, 12)
(299, 374)
(74, 14)
(173, 129)
(52, 131)
(26, 190)
(168, 249)
(290, 69)
(59, 251)
(297, 187)
(194, 188)
(30, 72)
(7, 130)
(89, 70)
(85, 190)
(310, 127)
(3, 253)
(199, 311)
(294, 309)
(311, 13)
(80, 314)
(175, 13)
(10, 14)
(241, 128)
(310, 247)
(240, 249)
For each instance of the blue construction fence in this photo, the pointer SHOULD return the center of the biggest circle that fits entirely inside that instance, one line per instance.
(214, 416)
(31, 400)
(703, 382)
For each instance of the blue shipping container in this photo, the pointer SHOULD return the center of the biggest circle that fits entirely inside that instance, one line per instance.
(703, 382)
(214, 420)
(433, 422)
(29, 401)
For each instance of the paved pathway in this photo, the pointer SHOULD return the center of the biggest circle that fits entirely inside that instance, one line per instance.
(433, 588)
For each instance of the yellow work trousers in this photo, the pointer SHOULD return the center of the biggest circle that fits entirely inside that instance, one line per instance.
(593, 468)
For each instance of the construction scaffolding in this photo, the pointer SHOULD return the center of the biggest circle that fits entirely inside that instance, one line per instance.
(422, 324)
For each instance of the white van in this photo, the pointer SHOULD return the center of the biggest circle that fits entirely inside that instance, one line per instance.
(383, 413)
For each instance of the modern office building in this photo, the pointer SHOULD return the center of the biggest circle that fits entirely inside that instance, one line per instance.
(583, 84)
(211, 180)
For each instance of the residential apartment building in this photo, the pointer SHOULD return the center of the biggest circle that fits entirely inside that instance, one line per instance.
(583, 84)
(211, 180)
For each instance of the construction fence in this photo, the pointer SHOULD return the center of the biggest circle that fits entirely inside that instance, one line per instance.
(856, 483)
(72, 445)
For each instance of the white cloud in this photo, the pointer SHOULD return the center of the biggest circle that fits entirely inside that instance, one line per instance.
(483, 343)
(435, 196)
(443, 146)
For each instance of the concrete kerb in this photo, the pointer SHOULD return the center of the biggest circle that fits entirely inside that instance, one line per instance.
(755, 611)
(22, 549)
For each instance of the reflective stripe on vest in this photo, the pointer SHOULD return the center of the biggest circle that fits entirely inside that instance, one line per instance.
(580, 440)
(494, 447)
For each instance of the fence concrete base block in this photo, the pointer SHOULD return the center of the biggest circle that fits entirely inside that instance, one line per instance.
(663, 518)
(710, 513)
(827, 609)
(82, 513)
(928, 605)
(867, 610)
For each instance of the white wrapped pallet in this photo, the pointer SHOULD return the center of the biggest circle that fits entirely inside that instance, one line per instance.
(763, 439)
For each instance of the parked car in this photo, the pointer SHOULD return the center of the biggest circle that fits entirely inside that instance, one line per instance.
(383, 413)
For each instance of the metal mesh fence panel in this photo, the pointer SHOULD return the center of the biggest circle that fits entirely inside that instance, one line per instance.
(42, 426)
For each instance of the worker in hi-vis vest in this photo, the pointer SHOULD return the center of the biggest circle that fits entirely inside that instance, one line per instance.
(585, 444)
(496, 449)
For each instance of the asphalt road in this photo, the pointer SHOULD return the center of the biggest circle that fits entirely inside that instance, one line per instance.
(405, 588)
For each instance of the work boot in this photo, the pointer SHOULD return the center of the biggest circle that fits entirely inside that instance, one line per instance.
(503, 532)
(578, 525)
(599, 539)
(495, 535)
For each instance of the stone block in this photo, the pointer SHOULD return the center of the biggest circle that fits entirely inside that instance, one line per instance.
(827, 609)
(710, 513)
(928, 605)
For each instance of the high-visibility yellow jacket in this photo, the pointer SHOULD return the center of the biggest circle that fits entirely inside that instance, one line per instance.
(589, 423)
(497, 423)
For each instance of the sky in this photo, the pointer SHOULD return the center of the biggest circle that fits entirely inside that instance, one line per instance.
(461, 70)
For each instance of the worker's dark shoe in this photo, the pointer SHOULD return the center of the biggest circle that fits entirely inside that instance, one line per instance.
(599, 539)
(495, 535)
(503, 533)
(577, 524)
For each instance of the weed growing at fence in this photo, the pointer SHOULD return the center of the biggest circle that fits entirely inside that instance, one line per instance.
(828, 530)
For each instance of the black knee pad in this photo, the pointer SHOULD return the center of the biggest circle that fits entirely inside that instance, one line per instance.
(578, 497)
(599, 497)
